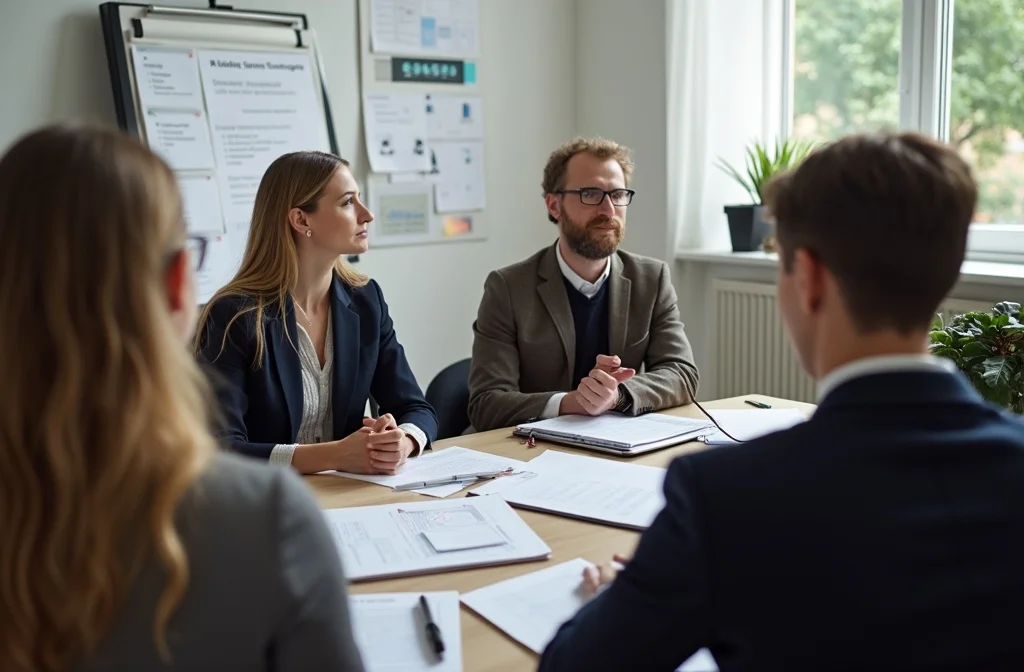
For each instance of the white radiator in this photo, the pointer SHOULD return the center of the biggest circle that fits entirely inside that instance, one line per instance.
(749, 351)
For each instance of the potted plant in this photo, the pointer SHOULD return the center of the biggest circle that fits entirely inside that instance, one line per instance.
(747, 227)
(987, 346)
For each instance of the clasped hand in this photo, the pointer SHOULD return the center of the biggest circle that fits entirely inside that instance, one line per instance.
(599, 391)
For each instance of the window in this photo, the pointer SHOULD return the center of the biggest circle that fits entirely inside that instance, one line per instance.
(954, 70)
(986, 108)
(845, 67)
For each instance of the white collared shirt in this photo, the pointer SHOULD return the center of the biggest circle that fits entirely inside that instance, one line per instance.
(584, 287)
(882, 364)
(317, 424)
(587, 289)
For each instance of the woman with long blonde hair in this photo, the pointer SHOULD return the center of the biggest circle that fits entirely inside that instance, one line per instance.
(126, 541)
(300, 341)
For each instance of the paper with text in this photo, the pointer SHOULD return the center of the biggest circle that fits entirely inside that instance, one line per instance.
(167, 78)
(389, 630)
(747, 425)
(425, 27)
(377, 542)
(181, 137)
(442, 463)
(200, 197)
(396, 132)
(260, 105)
(530, 608)
(591, 488)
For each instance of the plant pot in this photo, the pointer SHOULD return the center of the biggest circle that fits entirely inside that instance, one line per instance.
(747, 227)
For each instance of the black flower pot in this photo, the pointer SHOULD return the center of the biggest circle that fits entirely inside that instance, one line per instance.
(747, 228)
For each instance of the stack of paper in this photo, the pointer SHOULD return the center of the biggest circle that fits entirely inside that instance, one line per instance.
(377, 542)
(616, 433)
(440, 464)
(590, 488)
(389, 630)
(530, 608)
(748, 425)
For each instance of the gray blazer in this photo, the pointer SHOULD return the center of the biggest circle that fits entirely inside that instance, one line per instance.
(524, 340)
(266, 588)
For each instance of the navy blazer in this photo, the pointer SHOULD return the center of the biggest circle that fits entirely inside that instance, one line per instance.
(886, 533)
(262, 406)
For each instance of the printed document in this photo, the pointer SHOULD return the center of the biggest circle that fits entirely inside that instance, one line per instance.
(389, 630)
(530, 608)
(440, 464)
(590, 488)
(377, 542)
(748, 425)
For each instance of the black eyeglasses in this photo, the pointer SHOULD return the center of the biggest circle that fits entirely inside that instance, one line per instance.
(196, 246)
(595, 196)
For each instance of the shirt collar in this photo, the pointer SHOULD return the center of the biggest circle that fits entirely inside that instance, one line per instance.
(881, 364)
(587, 289)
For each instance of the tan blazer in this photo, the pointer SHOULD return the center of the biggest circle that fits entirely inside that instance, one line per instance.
(524, 340)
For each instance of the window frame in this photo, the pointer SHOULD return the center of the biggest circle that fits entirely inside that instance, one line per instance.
(925, 82)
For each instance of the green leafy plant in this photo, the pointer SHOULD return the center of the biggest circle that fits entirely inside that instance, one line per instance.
(762, 164)
(987, 346)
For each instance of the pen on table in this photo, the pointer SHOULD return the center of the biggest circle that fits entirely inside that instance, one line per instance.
(457, 478)
(757, 404)
(433, 632)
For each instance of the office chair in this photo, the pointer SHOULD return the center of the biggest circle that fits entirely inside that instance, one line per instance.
(448, 393)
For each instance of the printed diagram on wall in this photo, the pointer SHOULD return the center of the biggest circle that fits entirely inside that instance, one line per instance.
(193, 103)
(425, 27)
(396, 132)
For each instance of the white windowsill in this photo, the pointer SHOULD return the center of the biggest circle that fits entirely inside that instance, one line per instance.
(980, 272)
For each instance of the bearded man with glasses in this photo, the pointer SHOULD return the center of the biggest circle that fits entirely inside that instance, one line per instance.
(580, 327)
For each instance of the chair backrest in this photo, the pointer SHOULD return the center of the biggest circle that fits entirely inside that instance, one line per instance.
(448, 393)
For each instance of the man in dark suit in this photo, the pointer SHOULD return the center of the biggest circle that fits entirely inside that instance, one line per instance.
(885, 533)
(564, 331)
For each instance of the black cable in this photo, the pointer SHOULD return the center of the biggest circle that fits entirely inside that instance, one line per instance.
(712, 419)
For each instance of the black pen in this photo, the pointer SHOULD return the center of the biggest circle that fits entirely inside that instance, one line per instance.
(756, 404)
(433, 632)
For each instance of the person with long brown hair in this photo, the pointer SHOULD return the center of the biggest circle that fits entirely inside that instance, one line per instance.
(128, 542)
(298, 341)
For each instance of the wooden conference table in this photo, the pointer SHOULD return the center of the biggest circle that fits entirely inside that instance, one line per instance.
(483, 646)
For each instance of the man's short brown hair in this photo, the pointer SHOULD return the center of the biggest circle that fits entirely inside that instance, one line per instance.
(554, 171)
(888, 215)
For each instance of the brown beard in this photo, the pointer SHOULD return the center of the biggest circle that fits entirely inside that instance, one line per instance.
(586, 241)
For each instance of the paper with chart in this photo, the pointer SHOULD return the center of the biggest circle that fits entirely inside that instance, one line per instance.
(590, 488)
(200, 198)
(389, 630)
(402, 210)
(617, 431)
(377, 542)
(441, 464)
(396, 132)
(530, 608)
(457, 171)
(260, 105)
(425, 27)
(747, 425)
(454, 117)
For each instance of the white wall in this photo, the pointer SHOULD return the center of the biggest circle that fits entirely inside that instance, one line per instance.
(621, 60)
(55, 69)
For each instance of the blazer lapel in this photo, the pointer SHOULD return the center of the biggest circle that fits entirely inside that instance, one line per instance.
(285, 354)
(347, 355)
(552, 294)
(618, 307)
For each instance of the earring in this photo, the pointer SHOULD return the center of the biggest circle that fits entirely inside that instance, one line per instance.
(309, 233)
